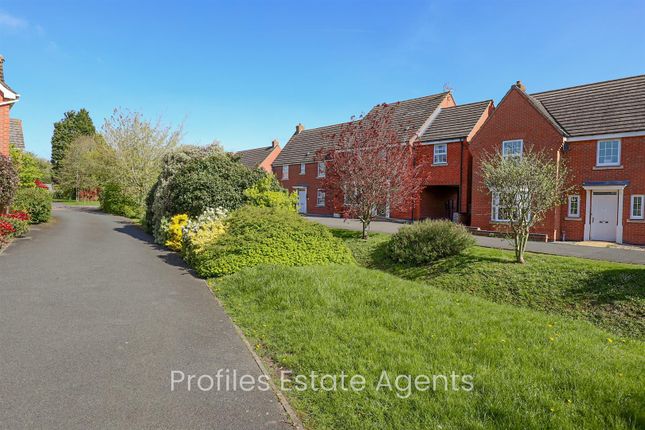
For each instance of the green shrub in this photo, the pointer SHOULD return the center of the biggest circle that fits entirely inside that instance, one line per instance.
(158, 200)
(255, 236)
(37, 202)
(268, 193)
(216, 181)
(429, 240)
(8, 181)
(114, 201)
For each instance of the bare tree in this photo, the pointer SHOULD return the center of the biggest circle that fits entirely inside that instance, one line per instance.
(371, 166)
(524, 189)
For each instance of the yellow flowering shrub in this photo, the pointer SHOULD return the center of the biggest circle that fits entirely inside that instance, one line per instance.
(202, 231)
(175, 232)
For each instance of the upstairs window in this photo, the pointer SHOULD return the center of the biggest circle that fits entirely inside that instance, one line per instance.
(608, 153)
(440, 154)
(320, 198)
(285, 172)
(512, 148)
(637, 211)
(574, 207)
(302, 168)
(321, 169)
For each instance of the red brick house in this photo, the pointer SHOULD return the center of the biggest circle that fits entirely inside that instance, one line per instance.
(261, 158)
(599, 131)
(444, 131)
(7, 99)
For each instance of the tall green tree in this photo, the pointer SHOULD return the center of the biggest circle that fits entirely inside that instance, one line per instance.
(74, 124)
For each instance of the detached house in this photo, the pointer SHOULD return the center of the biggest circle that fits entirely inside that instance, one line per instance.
(599, 131)
(7, 99)
(444, 130)
(261, 158)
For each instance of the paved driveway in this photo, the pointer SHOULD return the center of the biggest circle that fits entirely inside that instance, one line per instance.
(93, 319)
(618, 255)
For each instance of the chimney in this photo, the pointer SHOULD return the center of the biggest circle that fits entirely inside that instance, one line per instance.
(520, 86)
(1, 68)
(299, 128)
(275, 143)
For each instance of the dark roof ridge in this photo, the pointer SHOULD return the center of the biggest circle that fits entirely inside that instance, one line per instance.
(588, 84)
(468, 104)
(415, 98)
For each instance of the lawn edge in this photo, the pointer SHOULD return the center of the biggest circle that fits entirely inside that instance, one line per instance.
(290, 411)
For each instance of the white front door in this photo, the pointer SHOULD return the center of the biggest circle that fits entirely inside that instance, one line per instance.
(604, 215)
(302, 200)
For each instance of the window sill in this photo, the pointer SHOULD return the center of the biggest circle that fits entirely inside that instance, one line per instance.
(608, 167)
(320, 177)
(320, 206)
(636, 221)
(439, 164)
(573, 218)
(499, 222)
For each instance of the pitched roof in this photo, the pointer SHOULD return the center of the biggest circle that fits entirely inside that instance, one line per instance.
(455, 122)
(16, 137)
(302, 147)
(252, 158)
(409, 116)
(614, 106)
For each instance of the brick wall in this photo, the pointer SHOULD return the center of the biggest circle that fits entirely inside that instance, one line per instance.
(514, 118)
(4, 128)
(581, 160)
(309, 181)
(268, 161)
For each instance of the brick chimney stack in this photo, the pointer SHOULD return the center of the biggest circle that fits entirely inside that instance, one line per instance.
(1, 68)
(299, 128)
(520, 85)
(275, 143)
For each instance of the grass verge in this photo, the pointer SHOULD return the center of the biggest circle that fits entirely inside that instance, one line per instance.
(93, 203)
(610, 295)
(531, 370)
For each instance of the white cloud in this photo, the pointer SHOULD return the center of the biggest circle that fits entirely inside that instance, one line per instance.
(12, 22)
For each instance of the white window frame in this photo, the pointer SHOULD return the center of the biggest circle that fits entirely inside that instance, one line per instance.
(641, 197)
(285, 172)
(320, 197)
(321, 170)
(514, 141)
(494, 211)
(617, 163)
(444, 155)
(571, 214)
(302, 168)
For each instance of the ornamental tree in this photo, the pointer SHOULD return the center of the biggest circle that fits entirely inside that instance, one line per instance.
(524, 189)
(370, 165)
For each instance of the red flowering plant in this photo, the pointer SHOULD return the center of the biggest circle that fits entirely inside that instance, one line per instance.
(18, 221)
(6, 228)
(40, 184)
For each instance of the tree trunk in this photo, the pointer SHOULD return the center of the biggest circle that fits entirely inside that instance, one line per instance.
(365, 225)
(521, 240)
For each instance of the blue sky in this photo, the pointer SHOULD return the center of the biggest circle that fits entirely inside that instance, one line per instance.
(246, 72)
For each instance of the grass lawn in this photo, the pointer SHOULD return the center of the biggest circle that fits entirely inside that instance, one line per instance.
(78, 203)
(610, 295)
(530, 369)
